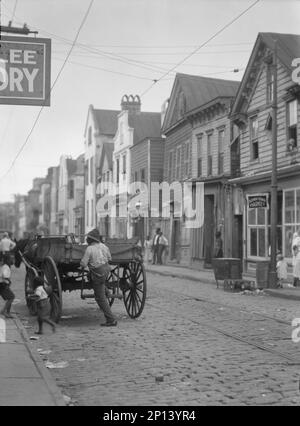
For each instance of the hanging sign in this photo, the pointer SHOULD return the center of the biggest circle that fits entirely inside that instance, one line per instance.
(257, 201)
(25, 70)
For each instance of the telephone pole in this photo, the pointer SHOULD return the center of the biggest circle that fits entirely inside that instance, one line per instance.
(273, 272)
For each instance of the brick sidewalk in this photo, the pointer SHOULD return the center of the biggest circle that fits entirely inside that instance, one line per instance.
(207, 277)
(25, 381)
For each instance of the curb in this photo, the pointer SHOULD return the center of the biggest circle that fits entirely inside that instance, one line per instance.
(54, 391)
(269, 292)
(276, 293)
(183, 276)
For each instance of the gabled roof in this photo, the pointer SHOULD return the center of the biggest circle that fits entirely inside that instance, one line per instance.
(198, 91)
(288, 48)
(106, 120)
(106, 151)
(145, 125)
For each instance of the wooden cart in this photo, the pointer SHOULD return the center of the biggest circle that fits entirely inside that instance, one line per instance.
(57, 260)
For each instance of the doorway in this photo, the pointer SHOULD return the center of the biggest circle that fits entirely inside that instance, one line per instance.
(209, 226)
(237, 237)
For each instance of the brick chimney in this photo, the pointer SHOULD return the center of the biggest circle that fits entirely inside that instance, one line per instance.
(131, 103)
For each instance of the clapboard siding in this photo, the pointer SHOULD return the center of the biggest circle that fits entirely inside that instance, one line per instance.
(214, 126)
(157, 160)
(174, 139)
(139, 159)
(258, 106)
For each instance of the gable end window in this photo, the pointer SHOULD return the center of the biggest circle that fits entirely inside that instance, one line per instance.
(254, 138)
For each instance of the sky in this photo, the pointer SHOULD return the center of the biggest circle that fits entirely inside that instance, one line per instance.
(123, 46)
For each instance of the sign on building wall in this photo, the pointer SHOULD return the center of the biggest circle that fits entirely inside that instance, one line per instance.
(258, 201)
(25, 70)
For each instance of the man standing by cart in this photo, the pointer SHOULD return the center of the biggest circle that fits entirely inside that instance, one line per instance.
(96, 258)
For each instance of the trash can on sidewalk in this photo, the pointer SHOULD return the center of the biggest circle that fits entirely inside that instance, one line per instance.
(262, 273)
(227, 268)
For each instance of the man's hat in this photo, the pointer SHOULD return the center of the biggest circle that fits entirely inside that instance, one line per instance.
(94, 235)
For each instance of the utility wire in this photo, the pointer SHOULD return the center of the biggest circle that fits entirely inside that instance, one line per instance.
(202, 45)
(52, 87)
(14, 11)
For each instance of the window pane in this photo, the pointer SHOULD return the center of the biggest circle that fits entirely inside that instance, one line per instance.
(261, 242)
(253, 242)
(288, 239)
(254, 128)
(292, 119)
(252, 216)
(261, 218)
(221, 141)
(290, 207)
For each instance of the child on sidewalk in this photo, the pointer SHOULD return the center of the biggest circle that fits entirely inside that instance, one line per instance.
(5, 282)
(281, 268)
(43, 307)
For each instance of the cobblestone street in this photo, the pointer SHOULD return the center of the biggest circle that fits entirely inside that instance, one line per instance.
(193, 345)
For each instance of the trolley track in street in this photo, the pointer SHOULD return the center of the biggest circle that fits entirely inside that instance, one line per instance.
(292, 360)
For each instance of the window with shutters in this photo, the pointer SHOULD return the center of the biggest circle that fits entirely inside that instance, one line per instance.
(199, 154)
(209, 154)
(221, 138)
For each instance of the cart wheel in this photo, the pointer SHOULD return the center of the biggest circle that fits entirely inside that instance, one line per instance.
(110, 288)
(134, 292)
(31, 304)
(52, 278)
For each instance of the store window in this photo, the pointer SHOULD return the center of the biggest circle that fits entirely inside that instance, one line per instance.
(291, 218)
(257, 221)
(259, 227)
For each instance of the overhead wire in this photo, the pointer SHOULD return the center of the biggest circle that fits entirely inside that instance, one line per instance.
(202, 45)
(52, 87)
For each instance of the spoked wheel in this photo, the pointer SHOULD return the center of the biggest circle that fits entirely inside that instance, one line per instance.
(52, 278)
(134, 287)
(31, 304)
(111, 288)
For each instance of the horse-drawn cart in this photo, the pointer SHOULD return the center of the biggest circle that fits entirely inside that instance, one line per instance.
(57, 260)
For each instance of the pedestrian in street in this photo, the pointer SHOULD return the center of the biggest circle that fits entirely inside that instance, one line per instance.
(162, 244)
(155, 245)
(296, 268)
(5, 282)
(147, 249)
(6, 246)
(41, 298)
(96, 258)
(218, 245)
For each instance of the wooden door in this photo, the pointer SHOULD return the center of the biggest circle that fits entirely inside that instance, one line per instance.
(209, 227)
